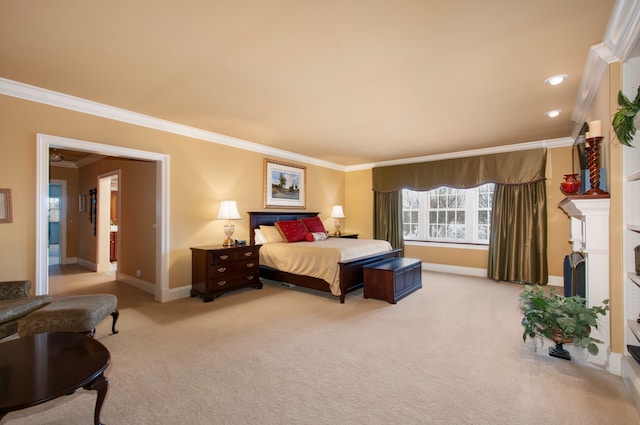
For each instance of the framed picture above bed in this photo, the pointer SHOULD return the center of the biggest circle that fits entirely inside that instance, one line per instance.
(284, 185)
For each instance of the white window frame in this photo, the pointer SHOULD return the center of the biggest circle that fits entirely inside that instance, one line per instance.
(471, 210)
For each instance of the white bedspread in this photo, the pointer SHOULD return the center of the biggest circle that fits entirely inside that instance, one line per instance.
(319, 259)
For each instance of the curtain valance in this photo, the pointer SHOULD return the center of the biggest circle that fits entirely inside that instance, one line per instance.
(518, 167)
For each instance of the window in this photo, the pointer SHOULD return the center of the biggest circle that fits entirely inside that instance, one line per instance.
(447, 214)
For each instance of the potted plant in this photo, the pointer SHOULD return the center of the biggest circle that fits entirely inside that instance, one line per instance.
(623, 120)
(564, 320)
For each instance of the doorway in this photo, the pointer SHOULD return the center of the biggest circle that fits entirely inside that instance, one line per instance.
(53, 243)
(56, 222)
(44, 143)
(108, 220)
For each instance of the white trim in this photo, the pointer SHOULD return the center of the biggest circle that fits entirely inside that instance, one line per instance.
(623, 30)
(43, 143)
(447, 245)
(615, 364)
(447, 268)
(556, 281)
(551, 143)
(620, 38)
(61, 100)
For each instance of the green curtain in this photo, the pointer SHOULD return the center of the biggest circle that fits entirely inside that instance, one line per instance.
(518, 240)
(387, 210)
(507, 168)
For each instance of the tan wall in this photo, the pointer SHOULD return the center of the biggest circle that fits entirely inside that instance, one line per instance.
(558, 223)
(359, 203)
(201, 175)
(607, 102)
(360, 199)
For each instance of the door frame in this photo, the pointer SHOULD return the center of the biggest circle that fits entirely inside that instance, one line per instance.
(43, 143)
(63, 219)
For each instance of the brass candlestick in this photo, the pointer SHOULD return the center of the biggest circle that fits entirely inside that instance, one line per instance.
(593, 162)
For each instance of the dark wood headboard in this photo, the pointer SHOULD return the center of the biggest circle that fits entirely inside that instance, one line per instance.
(267, 218)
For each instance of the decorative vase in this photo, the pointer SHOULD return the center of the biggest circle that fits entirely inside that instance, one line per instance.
(570, 185)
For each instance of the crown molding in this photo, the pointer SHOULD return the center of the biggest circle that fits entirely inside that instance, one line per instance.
(61, 100)
(551, 144)
(620, 38)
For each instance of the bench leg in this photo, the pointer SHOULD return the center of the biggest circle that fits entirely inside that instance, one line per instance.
(115, 316)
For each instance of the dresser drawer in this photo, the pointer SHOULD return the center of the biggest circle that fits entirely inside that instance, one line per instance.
(233, 255)
(222, 269)
(233, 280)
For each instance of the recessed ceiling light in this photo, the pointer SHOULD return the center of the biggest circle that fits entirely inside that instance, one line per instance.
(553, 114)
(554, 80)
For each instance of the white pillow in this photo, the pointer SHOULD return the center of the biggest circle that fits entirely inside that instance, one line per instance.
(271, 234)
(259, 237)
(320, 236)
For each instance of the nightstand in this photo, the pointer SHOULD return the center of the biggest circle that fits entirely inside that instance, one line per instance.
(216, 270)
(344, 235)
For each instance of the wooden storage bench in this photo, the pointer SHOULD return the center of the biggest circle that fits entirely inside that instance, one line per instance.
(392, 279)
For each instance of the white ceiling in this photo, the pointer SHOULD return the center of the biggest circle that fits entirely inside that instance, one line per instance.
(345, 81)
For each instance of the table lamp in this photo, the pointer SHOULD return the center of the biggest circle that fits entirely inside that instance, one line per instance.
(229, 211)
(337, 214)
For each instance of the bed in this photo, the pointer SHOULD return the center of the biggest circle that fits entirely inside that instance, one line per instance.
(349, 271)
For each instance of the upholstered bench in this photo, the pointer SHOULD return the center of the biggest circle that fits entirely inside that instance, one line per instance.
(79, 313)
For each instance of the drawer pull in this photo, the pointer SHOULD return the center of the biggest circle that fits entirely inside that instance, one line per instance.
(224, 257)
(221, 269)
(250, 265)
(222, 283)
(248, 254)
(250, 277)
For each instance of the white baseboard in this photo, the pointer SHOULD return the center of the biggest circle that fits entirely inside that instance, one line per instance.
(142, 285)
(445, 268)
(556, 281)
(476, 271)
(176, 293)
(149, 288)
(615, 364)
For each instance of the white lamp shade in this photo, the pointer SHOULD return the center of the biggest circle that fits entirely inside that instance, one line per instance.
(229, 211)
(337, 212)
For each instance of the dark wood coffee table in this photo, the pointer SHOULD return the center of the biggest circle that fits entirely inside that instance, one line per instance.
(38, 368)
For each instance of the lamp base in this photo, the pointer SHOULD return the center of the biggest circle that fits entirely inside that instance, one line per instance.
(337, 231)
(228, 230)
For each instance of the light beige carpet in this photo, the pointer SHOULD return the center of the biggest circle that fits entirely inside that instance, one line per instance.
(450, 353)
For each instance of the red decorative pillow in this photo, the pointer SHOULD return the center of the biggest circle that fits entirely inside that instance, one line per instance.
(313, 224)
(292, 230)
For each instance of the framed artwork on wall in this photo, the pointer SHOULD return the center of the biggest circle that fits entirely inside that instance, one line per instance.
(284, 185)
(5, 206)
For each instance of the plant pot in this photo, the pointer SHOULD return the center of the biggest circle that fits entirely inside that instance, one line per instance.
(558, 338)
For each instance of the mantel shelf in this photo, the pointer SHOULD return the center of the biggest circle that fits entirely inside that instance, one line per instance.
(580, 206)
(634, 176)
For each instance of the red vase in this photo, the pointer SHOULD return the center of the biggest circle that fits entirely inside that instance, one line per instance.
(570, 185)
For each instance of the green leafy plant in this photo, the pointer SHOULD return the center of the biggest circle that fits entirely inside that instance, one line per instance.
(623, 120)
(562, 319)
